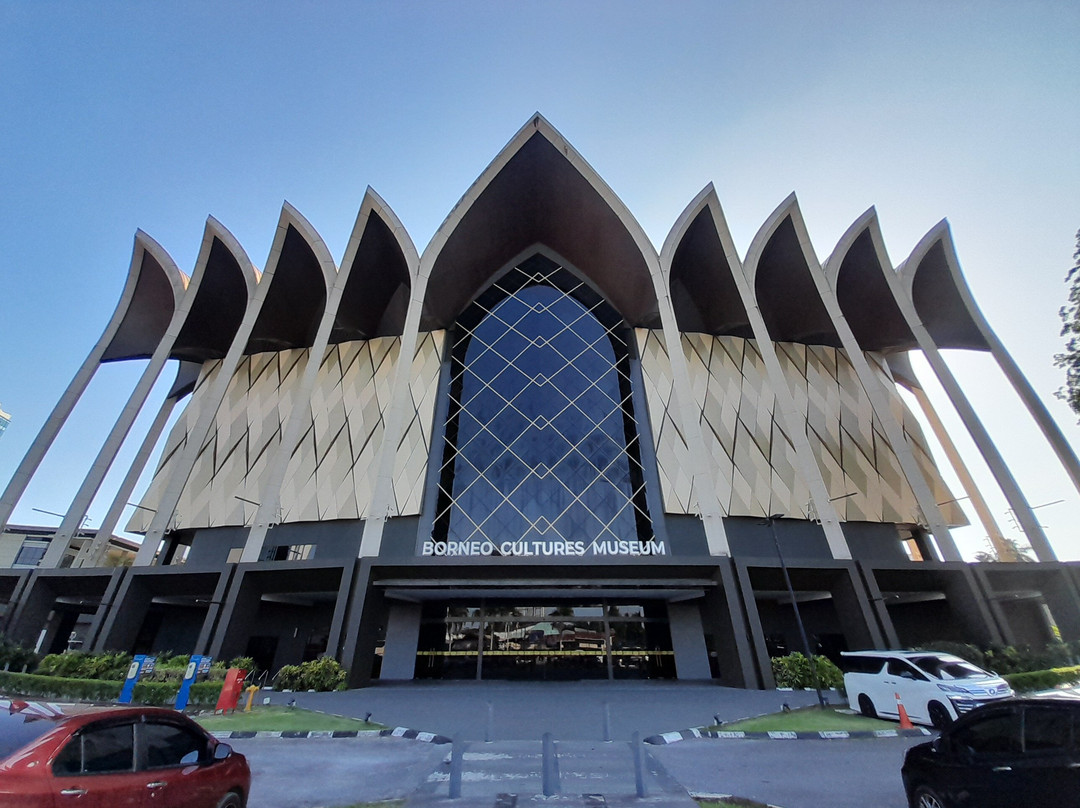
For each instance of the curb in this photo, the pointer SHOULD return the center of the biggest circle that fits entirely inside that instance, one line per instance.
(825, 735)
(396, 732)
(708, 795)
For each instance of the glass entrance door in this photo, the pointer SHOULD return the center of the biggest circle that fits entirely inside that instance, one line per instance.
(557, 641)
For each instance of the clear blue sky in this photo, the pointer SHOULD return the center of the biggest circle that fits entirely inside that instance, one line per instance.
(117, 116)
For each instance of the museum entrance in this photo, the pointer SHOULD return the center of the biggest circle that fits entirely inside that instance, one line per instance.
(537, 642)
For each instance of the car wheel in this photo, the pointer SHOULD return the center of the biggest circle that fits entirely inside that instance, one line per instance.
(926, 797)
(939, 716)
(231, 800)
(866, 707)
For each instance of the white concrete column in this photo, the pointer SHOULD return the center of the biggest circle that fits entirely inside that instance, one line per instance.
(270, 489)
(794, 420)
(702, 483)
(825, 280)
(1051, 431)
(182, 300)
(209, 404)
(382, 495)
(967, 482)
(1009, 487)
(90, 554)
(59, 415)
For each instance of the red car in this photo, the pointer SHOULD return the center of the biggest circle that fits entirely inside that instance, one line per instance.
(114, 758)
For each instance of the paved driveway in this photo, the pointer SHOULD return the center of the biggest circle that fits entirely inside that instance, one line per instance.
(524, 711)
(791, 774)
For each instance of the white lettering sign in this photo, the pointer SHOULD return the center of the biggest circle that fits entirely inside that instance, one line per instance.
(606, 547)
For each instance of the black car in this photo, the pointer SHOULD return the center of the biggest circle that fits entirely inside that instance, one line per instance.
(1019, 752)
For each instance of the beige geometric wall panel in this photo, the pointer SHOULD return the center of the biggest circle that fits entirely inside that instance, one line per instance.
(331, 473)
(411, 458)
(753, 460)
(672, 456)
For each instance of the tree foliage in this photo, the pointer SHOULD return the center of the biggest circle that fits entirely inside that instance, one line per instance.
(1069, 360)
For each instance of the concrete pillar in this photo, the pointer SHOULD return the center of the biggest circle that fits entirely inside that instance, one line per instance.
(299, 414)
(890, 639)
(365, 613)
(760, 651)
(967, 482)
(341, 605)
(106, 603)
(402, 636)
(217, 386)
(901, 286)
(825, 280)
(91, 553)
(240, 609)
(852, 604)
(687, 640)
(794, 421)
(73, 519)
(36, 453)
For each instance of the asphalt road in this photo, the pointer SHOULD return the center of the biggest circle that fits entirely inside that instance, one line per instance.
(794, 774)
(791, 774)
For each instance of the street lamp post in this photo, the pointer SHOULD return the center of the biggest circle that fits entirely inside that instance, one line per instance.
(771, 522)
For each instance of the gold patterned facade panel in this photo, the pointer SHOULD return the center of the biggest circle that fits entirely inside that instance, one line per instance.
(331, 472)
(672, 460)
(754, 465)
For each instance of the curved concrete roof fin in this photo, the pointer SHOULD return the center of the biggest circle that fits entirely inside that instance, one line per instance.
(932, 277)
(158, 288)
(778, 267)
(226, 286)
(248, 271)
(539, 190)
(380, 264)
(698, 258)
(300, 272)
(187, 374)
(902, 370)
(856, 271)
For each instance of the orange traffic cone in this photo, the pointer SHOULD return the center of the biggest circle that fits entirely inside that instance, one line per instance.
(905, 722)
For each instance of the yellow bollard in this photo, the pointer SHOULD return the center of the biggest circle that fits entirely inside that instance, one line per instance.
(251, 691)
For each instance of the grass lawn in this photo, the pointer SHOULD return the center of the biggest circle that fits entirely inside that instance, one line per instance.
(269, 718)
(807, 719)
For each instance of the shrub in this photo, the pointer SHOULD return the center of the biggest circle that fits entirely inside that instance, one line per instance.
(111, 665)
(793, 670)
(1010, 659)
(318, 674)
(1043, 680)
(16, 657)
(101, 690)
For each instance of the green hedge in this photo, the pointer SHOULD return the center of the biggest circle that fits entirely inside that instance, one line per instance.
(318, 674)
(57, 687)
(793, 670)
(1043, 680)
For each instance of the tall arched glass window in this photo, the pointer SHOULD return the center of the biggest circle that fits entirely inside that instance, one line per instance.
(541, 441)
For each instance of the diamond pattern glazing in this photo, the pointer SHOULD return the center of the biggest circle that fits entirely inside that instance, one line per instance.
(541, 439)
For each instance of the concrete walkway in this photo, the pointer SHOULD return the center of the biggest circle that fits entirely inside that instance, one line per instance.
(570, 711)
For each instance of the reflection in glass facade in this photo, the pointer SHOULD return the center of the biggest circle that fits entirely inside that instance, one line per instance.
(553, 641)
(541, 442)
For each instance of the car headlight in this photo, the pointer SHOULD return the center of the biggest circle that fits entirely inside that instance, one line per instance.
(955, 689)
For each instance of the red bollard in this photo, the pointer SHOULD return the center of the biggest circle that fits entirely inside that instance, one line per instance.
(231, 690)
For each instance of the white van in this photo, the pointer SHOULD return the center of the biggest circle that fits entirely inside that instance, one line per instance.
(935, 688)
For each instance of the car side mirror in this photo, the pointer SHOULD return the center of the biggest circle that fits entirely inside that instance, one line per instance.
(222, 751)
(937, 744)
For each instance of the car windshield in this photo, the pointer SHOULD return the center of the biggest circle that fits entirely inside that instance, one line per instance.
(950, 668)
(20, 723)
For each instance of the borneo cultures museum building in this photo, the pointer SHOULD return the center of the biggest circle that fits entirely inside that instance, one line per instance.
(541, 449)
